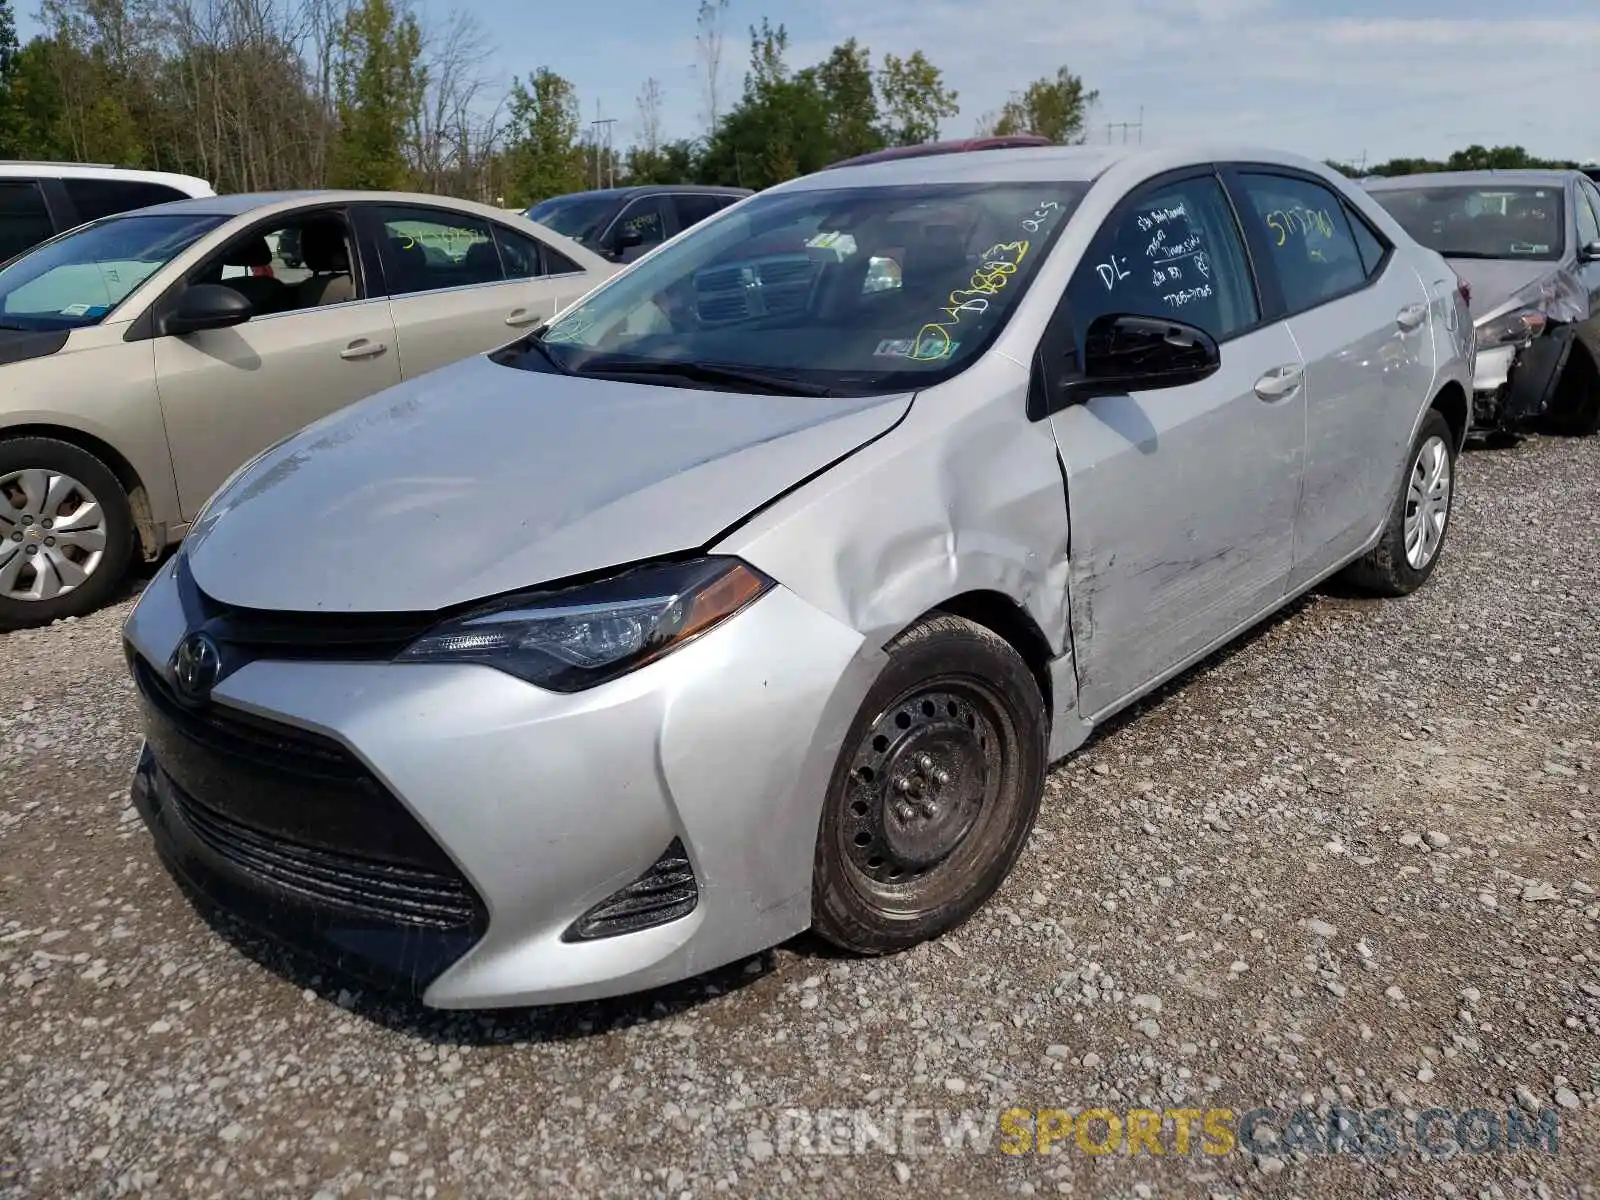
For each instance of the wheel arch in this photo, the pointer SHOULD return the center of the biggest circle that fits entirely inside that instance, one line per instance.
(1002, 615)
(1452, 403)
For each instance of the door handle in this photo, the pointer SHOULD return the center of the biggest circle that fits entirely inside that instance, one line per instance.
(521, 316)
(1280, 382)
(361, 348)
(1411, 316)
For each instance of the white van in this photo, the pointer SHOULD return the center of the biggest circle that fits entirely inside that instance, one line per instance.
(39, 200)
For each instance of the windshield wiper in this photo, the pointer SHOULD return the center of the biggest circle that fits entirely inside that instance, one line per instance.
(535, 343)
(763, 381)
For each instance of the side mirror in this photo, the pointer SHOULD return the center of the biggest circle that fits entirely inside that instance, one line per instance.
(1590, 253)
(207, 306)
(1125, 353)
(626, 239)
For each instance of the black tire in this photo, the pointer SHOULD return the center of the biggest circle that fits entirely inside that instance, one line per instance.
(1385, 570)
(1575, 408)
(63, 458)
(961, 695)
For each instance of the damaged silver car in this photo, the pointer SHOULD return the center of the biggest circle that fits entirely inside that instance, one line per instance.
(757, 590)
(1527, 244)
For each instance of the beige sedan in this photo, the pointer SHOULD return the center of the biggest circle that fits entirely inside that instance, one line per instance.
(145, 356)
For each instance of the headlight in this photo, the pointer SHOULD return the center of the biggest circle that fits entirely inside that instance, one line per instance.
(1512, 329)
(574, 639)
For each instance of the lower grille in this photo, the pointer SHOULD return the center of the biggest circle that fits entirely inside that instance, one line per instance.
(298, 812)
(663, 893)
(366, 886)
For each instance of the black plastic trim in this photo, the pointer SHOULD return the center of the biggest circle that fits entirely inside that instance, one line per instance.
(18, 347)
(666, 891)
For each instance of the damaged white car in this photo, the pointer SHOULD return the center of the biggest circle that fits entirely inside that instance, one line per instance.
(758, 589)
(1527, 244)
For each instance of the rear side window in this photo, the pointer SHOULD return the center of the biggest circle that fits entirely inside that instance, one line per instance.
(557, 263)
(425, 250)
(1308, 238)
(96, 198)
(1588, 218)
(519, 254)
(24, 220)
(1174, 252)
(693, 209)
(1368, 244)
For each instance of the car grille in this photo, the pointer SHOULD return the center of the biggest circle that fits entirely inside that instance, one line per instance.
(298, 811)
(776, 286)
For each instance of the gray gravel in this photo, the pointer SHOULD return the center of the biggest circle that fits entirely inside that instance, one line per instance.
(1351, 861)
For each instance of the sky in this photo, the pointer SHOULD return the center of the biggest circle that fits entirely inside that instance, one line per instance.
(1337, 79)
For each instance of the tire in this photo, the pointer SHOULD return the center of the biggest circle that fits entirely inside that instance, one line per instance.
(46, 486)
(1390, 568)
(960, 695)
(1575, 408)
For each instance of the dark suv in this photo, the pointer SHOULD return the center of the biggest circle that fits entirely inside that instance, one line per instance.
(623, 223)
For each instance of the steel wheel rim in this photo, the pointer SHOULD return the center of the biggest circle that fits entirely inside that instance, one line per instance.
(52, 534)
(1427, 502)
(944, 746)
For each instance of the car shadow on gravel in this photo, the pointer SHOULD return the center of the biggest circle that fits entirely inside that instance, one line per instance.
(486, 1027)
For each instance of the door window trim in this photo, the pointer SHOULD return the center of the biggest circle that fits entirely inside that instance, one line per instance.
(143, 327)
(1271, 282)
(1060, 332)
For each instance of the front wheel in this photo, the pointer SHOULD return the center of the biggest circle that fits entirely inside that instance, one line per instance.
(935, 791)
(66, 531)
(1414, 535)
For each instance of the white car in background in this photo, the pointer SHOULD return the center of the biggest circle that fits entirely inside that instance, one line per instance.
(145, 356)
(41, 199)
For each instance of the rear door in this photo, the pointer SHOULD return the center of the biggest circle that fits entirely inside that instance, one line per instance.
(458, 283)
(1359, 315)
(1182, 499)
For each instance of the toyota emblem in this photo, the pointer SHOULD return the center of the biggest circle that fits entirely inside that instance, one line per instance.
(196, 666)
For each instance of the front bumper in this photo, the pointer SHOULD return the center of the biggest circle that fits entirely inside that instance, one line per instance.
(1513, 386)
(540, 805)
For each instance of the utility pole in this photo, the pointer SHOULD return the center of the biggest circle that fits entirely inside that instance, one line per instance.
(602, 149)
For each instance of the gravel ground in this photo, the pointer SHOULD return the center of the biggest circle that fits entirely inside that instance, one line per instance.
(1350, 862)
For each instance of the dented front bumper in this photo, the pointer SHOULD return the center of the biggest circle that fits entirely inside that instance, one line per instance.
(1513, 386)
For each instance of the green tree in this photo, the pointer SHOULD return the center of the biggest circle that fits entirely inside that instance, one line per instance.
(780, 127)
(10, 108)
(543, 157)
(1054, 108)
(845, 79)
(381, 83)
(914, 99)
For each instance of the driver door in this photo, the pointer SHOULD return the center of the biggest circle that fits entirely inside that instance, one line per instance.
(1183, 499)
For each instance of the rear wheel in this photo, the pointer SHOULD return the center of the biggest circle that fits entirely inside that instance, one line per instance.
(1414, 535)
(935, 791)
(66, 531)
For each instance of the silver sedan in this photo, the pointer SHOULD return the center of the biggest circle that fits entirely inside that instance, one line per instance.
(145, 356)
(757, 591)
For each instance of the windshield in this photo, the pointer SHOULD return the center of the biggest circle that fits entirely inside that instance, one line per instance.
(1492, 221)
(81, 276)
(850, 290)
(576, 217)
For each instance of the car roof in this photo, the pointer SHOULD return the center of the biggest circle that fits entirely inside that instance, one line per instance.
(1057, 164)
(644, 189)
(190, 185)
(239, 203)
(1519, 178)
(953, 146)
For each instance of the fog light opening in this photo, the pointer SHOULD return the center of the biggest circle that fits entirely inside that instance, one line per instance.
(665, 892)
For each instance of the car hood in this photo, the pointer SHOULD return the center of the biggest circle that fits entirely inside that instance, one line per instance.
(480, 479)
(1495, 280)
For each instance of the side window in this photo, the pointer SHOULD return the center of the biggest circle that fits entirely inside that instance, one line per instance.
(425, 250)
(96, 198)
(557, 263)
(1173, 252)
(693, 208)
(1588, 218)
(644, 215)
(1369, 245)
(290, 266)
(519, 254)
(24, 220)
(1308, 238)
